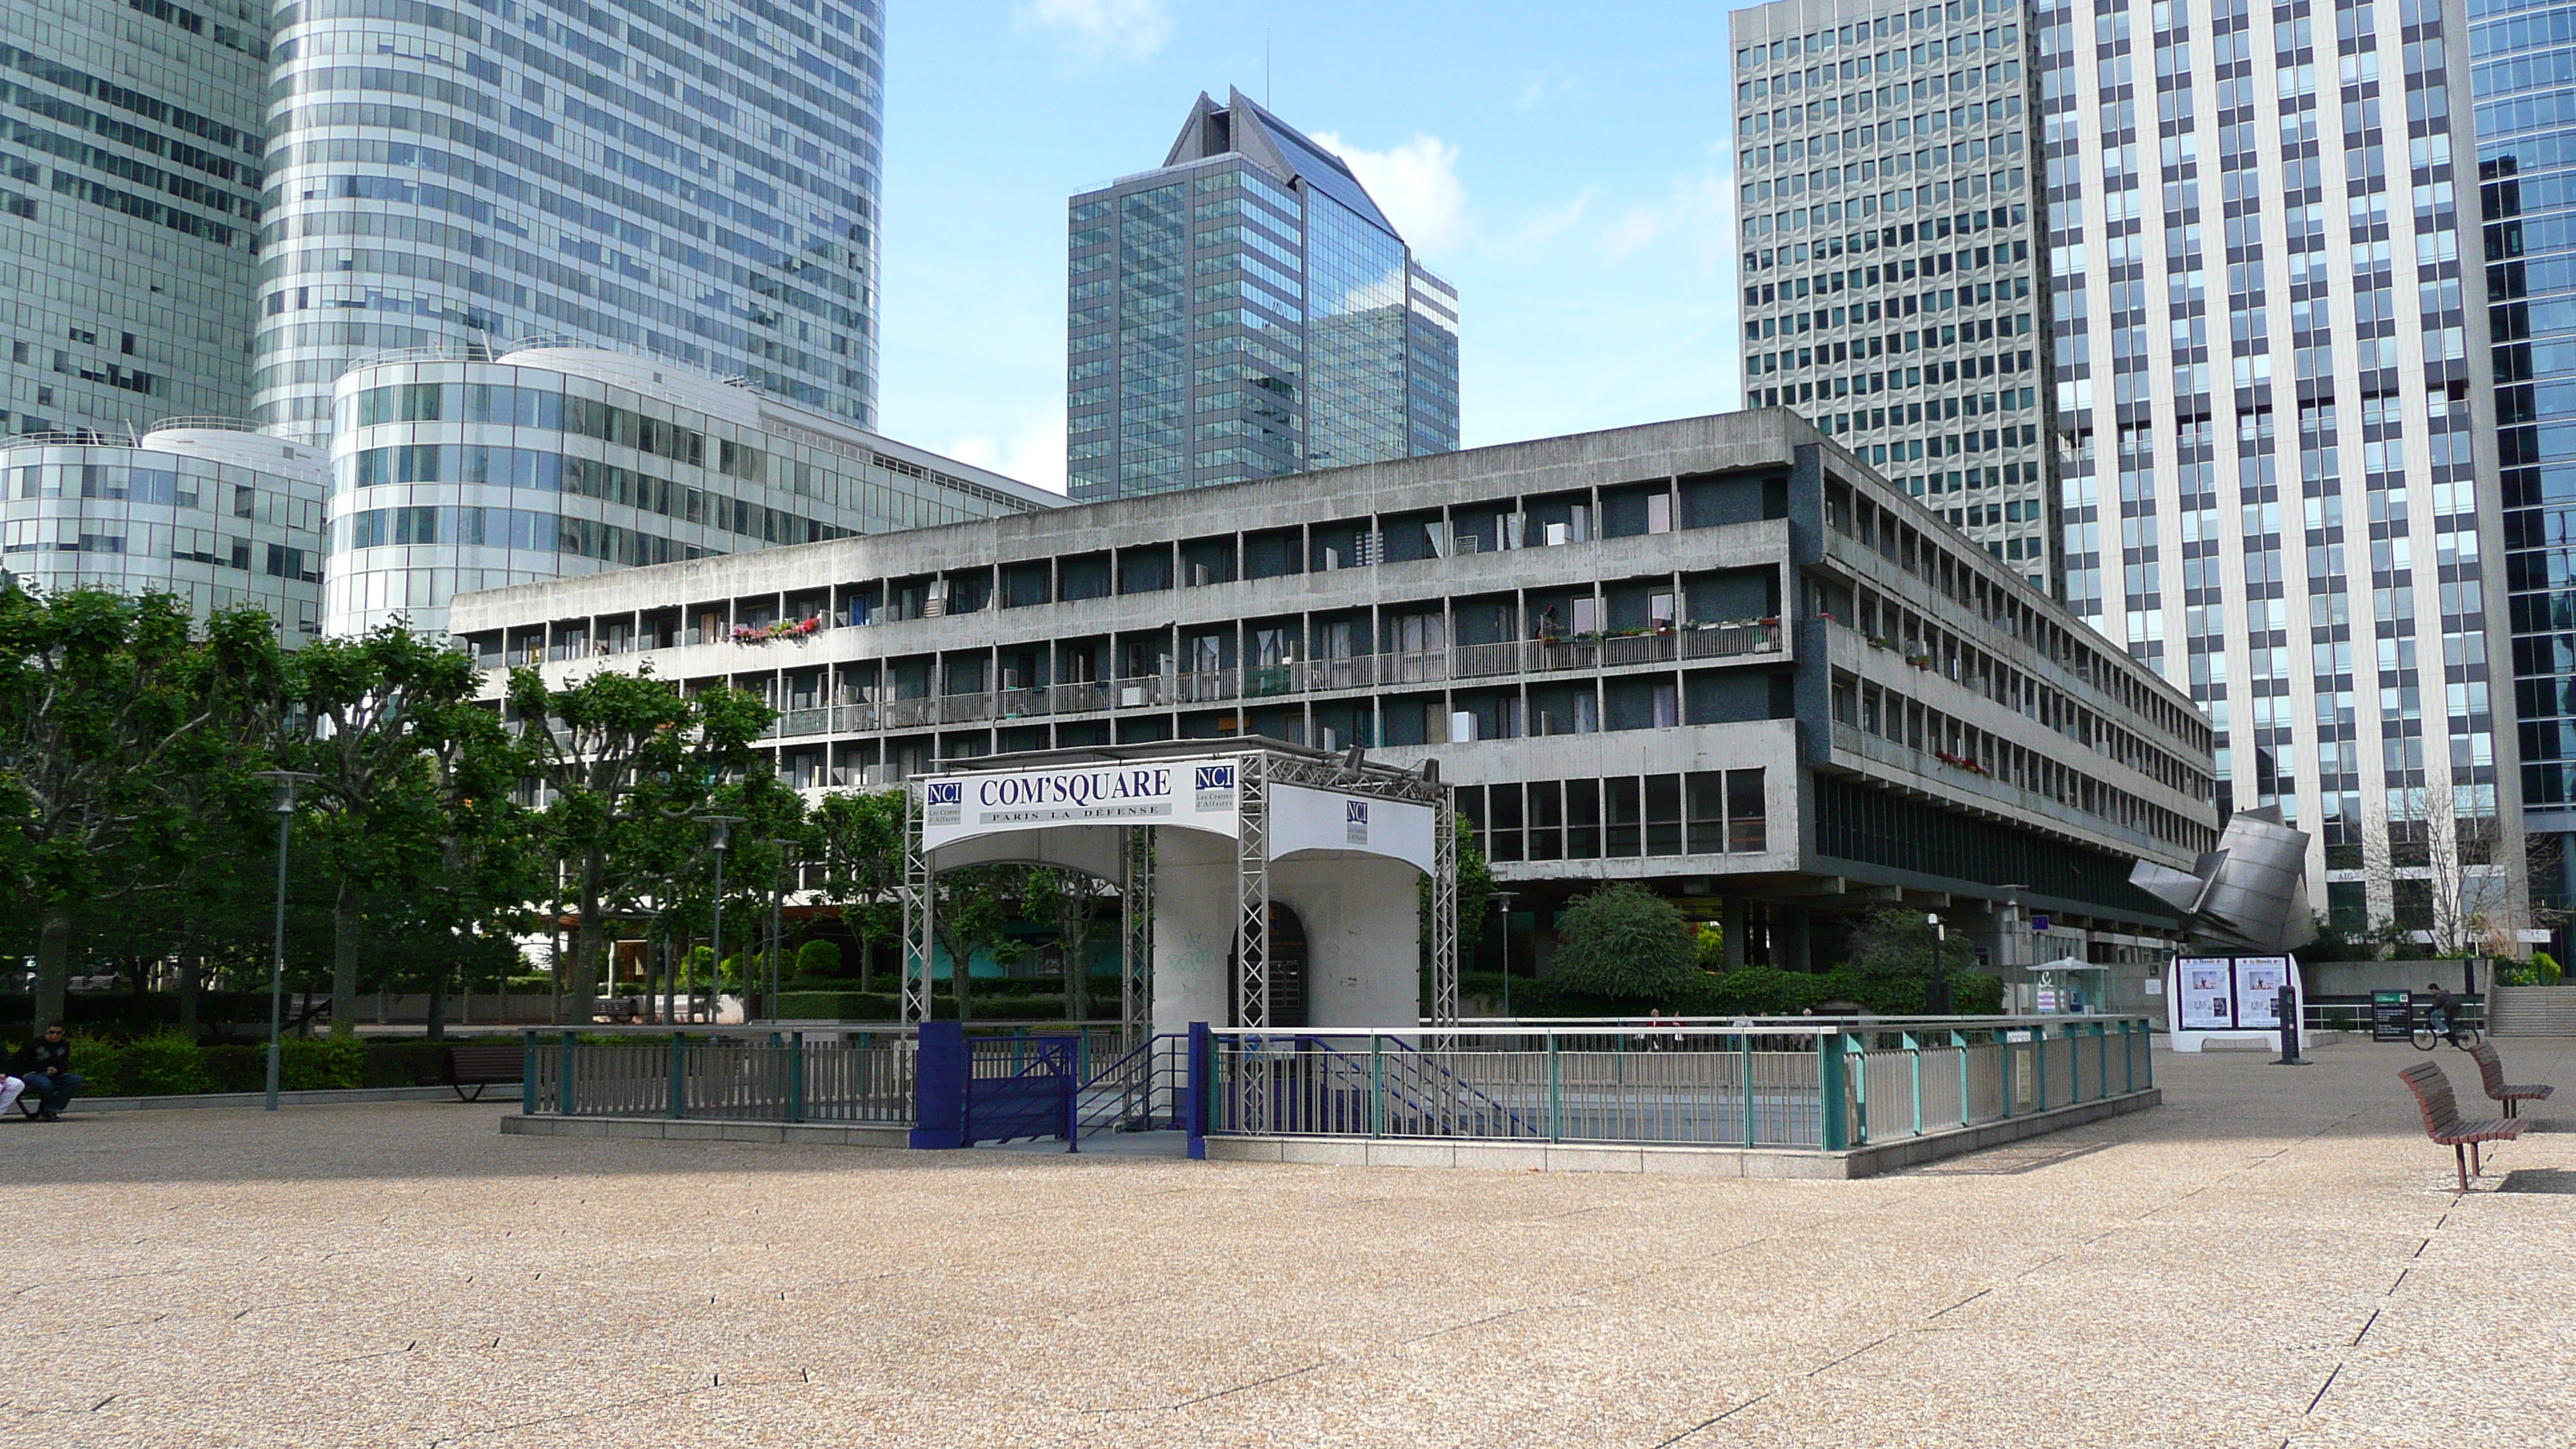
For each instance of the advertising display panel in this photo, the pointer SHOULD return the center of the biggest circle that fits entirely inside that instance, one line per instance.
(1198, 794)
(2208, 993)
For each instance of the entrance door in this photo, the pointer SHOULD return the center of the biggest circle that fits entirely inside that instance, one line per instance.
(1287, 971)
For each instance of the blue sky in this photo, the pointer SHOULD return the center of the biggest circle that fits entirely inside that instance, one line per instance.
(1567, 167)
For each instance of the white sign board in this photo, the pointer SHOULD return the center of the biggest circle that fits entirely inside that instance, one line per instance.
(2228, 998)
(2258, 984)
(2208, 992)
(1304, 819)
(1196, 794)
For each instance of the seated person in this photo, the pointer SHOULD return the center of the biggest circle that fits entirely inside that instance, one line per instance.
(10, 1088)
(45, 1066)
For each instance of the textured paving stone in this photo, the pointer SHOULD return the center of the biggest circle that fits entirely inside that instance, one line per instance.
(2275, 1257)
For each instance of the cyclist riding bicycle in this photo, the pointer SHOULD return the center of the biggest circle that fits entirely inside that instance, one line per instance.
(2444, 1008)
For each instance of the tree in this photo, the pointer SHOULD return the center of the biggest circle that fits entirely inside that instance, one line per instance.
(974, 904)
(1475, 895)
(623, 758)
(374, 712)
(109, 708)
(858, 838)
(1067, 900)
(2459, 881)
(1626, 943)
(1892, 941)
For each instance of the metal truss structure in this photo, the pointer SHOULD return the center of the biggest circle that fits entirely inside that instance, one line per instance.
(1258, 769)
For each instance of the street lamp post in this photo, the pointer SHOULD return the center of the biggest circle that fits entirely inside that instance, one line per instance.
(1503, 908)
(724, 825)
(286, 781)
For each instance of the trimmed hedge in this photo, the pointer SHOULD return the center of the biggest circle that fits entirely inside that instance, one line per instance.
(166, 1063)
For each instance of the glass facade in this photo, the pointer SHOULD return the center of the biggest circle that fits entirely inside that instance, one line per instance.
(1892, 255)
(2523, 54)
(2272, 380)
(1246, 311)
(456, 475)
(220, 518)
(130, 179)
(699, 185)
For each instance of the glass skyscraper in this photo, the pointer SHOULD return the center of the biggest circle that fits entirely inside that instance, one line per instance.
(1894, 259)
(2523, 54)
(1247, 310)
(129, 196)
(700, 183)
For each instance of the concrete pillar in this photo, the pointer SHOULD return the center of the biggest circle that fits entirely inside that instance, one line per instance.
(1790, 938)
(1731, 922)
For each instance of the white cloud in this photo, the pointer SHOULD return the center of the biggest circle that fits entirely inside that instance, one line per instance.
(1416, 184)
(1098, 30)
(1701, 210)
(1550, 224)
(1033, 453)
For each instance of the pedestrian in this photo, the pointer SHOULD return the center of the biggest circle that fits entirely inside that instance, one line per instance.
(45, 1067)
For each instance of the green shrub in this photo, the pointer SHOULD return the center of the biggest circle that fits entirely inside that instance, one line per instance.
(166, 1063)
(236, 1068)
(100, 1062)
(1625, 943)
(319, 1064)
(817, 961)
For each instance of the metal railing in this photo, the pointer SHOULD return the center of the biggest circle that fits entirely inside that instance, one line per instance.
(1793, 1084)
(775, 1077)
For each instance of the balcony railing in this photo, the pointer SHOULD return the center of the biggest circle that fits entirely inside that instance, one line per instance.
(1284, 681)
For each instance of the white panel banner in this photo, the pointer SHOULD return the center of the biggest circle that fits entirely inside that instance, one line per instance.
(1304, 819)
(2258, 984)
(2208, 993)
(1195, 794)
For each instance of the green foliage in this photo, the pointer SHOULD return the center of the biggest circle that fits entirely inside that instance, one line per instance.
(1624, 943)
(307, 1064)
(1894, 941)
(2541, 970)
(817, 961)
(1711, 946)
(165, 1063)
(1475, 895)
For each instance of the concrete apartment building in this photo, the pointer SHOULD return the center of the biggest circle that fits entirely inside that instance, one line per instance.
(1719, 655)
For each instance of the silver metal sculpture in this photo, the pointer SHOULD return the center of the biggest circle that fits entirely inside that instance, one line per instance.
(2247, 897)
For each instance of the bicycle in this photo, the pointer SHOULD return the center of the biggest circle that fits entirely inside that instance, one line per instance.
(2459, 1034)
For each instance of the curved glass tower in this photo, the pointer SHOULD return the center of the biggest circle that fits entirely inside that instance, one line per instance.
(469, 472)
(700, 184)
(215, 515)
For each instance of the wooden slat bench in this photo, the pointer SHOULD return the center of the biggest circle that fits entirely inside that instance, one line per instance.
(480, 1066)
(2442, 1120)
(2491, 1076)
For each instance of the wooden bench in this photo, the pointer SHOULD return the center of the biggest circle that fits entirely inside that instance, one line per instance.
(480, 1066)
(2491, 1075)
(2442, 1120)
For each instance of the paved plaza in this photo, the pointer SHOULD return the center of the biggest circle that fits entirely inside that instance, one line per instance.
(2274, 1257)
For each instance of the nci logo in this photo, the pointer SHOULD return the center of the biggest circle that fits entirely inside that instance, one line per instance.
(1216, 777)
(944, 792)
(1355, 822)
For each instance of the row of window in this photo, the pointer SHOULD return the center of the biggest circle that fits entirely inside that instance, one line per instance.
(1624, 817)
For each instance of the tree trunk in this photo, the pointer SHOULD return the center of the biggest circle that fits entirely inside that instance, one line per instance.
(436, 1027)
(53, 968)
(192, 971)
(589, 943)
(345, 927)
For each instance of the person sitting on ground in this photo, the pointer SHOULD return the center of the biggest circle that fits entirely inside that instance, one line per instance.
(45, 1064)
(2445, 1007)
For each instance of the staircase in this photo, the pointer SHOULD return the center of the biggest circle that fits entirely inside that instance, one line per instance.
(2532, 1011)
